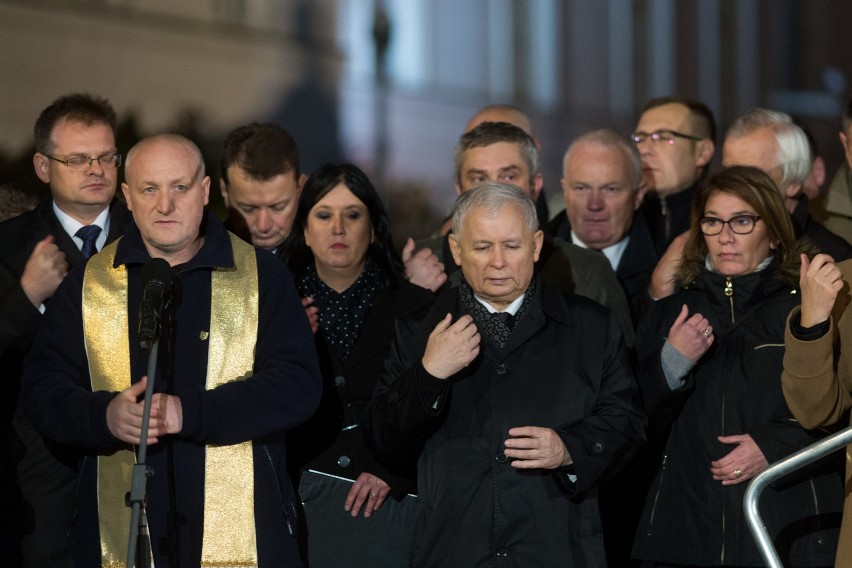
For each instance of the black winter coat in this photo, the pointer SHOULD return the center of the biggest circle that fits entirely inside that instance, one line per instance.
(564, 367)
(283, 391)
(734, 389)
(321, 443)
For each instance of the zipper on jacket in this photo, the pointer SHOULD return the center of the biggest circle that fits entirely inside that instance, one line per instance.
(729, 292)
(664, 211)
(657, 496)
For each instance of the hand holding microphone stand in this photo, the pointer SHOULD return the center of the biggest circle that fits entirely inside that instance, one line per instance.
(156, 278)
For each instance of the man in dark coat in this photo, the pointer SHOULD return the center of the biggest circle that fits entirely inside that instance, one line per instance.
(236, 368)
(76, 155)
(521, 398)
(601, 174)
(675, 137)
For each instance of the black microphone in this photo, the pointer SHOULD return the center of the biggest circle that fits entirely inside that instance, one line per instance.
(156, 282)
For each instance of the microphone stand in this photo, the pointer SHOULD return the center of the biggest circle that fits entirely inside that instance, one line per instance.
(139, 543)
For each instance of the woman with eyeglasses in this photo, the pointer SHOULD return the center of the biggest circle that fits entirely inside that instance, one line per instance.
(352, 282)
(709, 366)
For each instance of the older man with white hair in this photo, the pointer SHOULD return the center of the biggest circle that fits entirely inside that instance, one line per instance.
(771, 141)
(521, 398)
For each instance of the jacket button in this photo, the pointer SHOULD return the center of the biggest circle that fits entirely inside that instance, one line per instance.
(502, 551)
(393, 397)
(501, 369)
(596, 449)
(502, 458)
(343, 461)
(339, 381)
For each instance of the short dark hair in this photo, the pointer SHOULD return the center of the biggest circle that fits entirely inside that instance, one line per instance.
(78, 107)
(702, 116)
(488, 133)
(262, 151)
(381, 250)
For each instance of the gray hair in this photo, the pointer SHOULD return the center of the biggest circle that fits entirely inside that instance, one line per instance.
(794, 153)
(488, 133)
(172, 138)
(493, 196)
(609, 139)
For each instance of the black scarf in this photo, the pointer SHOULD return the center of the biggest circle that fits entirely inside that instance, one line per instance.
(341, 315)
(497, 327)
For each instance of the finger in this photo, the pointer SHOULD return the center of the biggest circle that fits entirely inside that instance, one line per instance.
(696, 320)
(803, 269)
(307, 301)
(407, 249)
(350, 496)
(371, 504)
(360, 501)
(43, 244)
(736, 439)
(443, 325)
(681, 317)
(425, 254)
(137, 389)
(528, 431)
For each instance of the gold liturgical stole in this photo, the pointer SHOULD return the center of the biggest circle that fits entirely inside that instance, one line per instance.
(229, 528)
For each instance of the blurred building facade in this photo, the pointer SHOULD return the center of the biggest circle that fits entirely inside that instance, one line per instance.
(389, 84)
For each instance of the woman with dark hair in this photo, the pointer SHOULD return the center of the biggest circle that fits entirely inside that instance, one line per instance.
(352, 280)
(710, 361)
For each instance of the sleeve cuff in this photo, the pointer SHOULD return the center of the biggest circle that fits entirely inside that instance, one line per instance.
(675, 366)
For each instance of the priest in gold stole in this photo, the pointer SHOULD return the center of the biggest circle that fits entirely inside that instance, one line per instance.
(236, 369)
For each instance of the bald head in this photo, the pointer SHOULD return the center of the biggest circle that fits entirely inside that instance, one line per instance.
(164, 140)
(166, 190)
(501, 113)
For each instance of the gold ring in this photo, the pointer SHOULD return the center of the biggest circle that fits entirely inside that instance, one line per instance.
(707, 332)
(738, 473)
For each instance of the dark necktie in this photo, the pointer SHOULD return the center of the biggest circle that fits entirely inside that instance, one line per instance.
(89, 234)
(505, 318)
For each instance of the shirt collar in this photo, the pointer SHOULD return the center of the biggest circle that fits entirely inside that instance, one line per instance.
(613, 253)
(72, 225)
(511, 308)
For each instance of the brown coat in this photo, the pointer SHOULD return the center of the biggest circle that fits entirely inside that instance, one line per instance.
(818, 394)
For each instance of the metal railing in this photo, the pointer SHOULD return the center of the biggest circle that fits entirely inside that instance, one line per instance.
(775, 471)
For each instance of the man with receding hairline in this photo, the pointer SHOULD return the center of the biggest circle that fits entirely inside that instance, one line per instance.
(236, 367)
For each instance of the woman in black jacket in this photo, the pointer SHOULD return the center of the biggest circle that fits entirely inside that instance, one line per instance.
(710, 360)
(352, 282)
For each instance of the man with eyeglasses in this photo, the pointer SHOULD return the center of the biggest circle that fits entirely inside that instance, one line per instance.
(675, 138)
(769, 140)
(77, 156)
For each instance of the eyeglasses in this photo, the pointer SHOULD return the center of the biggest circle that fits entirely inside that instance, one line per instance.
(667, 136)
(80, 163)
(740, 224)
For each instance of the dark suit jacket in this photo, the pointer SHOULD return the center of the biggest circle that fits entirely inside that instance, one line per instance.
(637, 261)
(18, 237)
